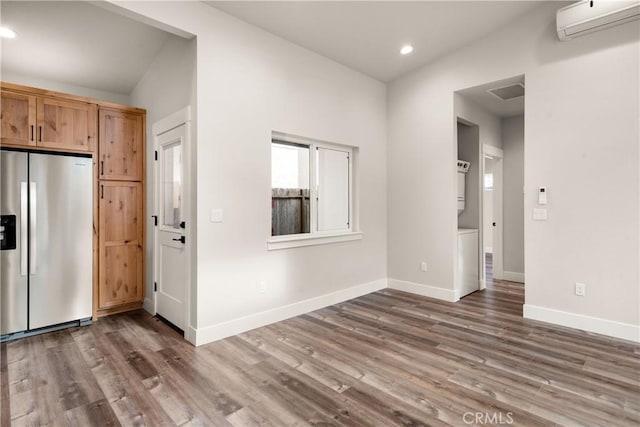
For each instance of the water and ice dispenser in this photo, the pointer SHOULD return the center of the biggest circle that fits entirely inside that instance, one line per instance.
(7, 232)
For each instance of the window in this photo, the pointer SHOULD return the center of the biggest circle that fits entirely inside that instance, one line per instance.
(488, 181)
(172, 184)
(311, 191)
(290, 202)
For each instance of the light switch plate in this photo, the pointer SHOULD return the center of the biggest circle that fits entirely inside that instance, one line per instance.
(216, 215)
(542, 195)
(539, 214)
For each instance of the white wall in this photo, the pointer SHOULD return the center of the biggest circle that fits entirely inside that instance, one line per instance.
(581, 137)
(412, 228)
(18, 78)
(513, 198)
(249, 84)
(168, 85)
(489, 124)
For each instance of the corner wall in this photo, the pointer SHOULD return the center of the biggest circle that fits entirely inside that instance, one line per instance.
(249, 84)
(581, 136)
(168, 85)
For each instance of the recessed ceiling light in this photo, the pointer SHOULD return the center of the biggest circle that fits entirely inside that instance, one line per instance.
(406, 49)
(7, 33)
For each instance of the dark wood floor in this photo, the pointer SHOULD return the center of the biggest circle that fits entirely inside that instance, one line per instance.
(388, 358)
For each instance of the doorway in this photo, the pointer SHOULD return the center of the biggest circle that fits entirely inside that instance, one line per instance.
(492, 214)
(494, 202)
(171, 232)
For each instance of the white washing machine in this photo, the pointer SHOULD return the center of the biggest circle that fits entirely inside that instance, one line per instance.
(468, 263)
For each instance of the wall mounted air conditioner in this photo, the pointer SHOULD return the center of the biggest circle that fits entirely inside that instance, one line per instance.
(585, 17)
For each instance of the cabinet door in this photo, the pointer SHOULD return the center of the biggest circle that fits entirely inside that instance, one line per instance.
(65, 124)
(121, 145)
(18, 113)
(121, 240)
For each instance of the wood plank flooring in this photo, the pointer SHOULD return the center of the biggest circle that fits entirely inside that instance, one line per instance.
(384, 359)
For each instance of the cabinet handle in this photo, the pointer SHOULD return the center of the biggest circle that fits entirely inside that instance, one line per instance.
(40, 129)
(101, 167)
(102, 191)
(32, 132)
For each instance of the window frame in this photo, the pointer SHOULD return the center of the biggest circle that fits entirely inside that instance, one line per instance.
(316, 237)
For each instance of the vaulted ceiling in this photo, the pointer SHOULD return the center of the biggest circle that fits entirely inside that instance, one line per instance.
(367, 35)
(78, 43)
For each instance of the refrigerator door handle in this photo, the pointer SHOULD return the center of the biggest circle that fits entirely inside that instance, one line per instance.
(32, 225)
(23, 228)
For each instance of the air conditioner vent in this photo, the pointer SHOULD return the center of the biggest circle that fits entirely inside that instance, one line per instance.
(508, 92)
(584, 17)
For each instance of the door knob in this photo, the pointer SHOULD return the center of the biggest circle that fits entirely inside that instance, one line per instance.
(182, 239)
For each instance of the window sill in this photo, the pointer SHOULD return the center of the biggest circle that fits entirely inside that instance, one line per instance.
(296, 241)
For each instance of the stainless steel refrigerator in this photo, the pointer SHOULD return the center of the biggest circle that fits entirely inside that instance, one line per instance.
(46, 240)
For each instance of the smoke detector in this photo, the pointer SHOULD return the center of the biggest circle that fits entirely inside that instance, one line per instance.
(506, 93)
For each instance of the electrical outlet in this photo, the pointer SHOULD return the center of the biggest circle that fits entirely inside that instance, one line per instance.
(423, 266)
(217, 215)
(262, 287)
(581, 289)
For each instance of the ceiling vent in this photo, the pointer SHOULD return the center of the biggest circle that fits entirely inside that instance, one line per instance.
(508, 92)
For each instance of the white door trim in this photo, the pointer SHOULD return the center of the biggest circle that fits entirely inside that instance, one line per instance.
(498, 253)
(181, 117)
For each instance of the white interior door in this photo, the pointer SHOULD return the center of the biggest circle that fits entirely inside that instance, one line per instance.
(170, 239)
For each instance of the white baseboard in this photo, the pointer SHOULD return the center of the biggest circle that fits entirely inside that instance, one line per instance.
(190, 334)
(424, 290)
(236, 326)
(148, 306)
(611, 328)
(513, 276)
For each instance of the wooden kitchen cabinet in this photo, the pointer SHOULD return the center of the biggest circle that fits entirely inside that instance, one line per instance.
(18, 119)
(66, 124)
(121, 243)
(35, 121)
(114, 135)
(121, 146)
